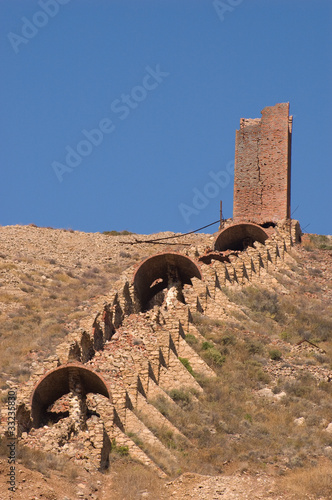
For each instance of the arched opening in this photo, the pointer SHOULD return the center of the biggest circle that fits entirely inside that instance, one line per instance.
(239, 237)
(268, 224)
(72, 378)
(160, 272)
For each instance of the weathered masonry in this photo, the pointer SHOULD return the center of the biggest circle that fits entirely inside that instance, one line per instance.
(100, 388)
(160, 272)
(262, 167)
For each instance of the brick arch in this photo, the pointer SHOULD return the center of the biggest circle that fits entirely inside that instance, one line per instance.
(157, 268)
(55, 384)
(239, 236)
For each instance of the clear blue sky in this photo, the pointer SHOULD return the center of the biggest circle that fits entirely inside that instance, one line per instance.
(164, 83)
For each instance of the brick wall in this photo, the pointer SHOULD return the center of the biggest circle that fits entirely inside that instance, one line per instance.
(262, 166)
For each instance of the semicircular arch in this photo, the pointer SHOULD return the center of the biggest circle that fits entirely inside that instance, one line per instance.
(154, 274)
(239, 237)
(56, 383)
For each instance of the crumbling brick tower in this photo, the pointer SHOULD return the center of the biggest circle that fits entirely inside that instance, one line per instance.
(262, 167)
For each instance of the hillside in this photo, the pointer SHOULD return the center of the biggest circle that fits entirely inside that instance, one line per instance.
(237, 405)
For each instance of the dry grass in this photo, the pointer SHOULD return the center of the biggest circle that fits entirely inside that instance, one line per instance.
(320, 241)
(313, 482)
(294, 317)
(36, 314)
(34, 459)
(133, 479)
(229, 422)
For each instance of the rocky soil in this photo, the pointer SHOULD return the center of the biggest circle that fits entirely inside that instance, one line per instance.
(34, 263)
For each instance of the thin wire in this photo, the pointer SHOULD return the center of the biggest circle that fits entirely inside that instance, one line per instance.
(170, 237)
(294, 211)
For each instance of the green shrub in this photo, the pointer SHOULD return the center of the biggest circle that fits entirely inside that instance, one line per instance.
(123, 451)
(191, 339)
(117, 233)
(254, 347)
(207, 345)
(186, 364)
(275, 354)
(212, 354)
(286, 336)
(228, 340)
(180, 395)
(321, 241)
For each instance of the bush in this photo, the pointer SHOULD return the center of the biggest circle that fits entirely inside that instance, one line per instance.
(207, 345)
(123, 451)
(191, 339)
(254, 347)
(43, 462)
(275, 354)
(212, 354)
(286, 336)
(228, 340)
(117, 233)
(315, 481)
(186, 364)
(320, 241)
(180, 395)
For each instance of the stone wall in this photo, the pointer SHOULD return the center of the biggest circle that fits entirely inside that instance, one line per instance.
(262, 167)
(107, 373)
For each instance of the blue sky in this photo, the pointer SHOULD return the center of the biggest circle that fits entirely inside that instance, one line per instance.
(114, 113)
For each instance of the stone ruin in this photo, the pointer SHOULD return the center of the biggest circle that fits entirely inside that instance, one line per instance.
(263, 167)
(98, 388)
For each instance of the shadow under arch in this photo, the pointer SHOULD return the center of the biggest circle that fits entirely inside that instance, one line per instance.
(56, 383)
(239, 237)
(155, 274)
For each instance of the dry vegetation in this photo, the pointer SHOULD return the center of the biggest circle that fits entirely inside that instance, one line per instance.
(133, 480)
(229, 423)
(231, 427)
(314, 481)
(46, 298)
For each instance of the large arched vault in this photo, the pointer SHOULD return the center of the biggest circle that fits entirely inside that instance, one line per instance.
(57, 382)
(157, 272)
(239, 237)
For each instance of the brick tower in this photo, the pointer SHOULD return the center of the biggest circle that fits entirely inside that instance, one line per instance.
(262, 167)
